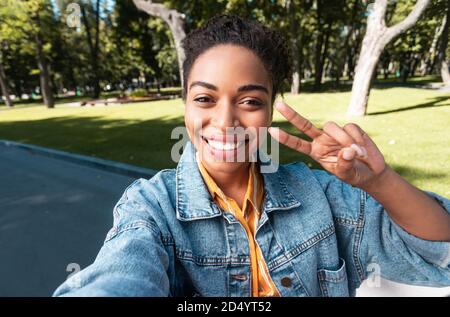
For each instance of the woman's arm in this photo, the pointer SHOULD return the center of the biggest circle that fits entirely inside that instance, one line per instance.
(133, 260)
(411, 208)
(131, 263)
(351, 155)
(374, 245)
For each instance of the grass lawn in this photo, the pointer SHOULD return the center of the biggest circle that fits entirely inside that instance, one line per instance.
(411, 127)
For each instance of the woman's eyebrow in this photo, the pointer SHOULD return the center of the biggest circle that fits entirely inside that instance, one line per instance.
(253, 87)
(244, 88)
(203, 84)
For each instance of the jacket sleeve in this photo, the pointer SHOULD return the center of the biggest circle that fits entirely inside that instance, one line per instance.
(379, 244)
(132, 260)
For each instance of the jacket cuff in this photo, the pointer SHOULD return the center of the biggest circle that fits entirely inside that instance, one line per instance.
(435, 252)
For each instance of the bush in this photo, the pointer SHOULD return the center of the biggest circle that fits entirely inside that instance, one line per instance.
(140, 92)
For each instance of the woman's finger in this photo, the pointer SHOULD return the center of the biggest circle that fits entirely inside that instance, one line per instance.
(291, 141)
(345, 164)
(355, 132)
(358, 135)
(298, 121)
(337, 133)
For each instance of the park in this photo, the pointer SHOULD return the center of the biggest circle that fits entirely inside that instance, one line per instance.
(102, 81)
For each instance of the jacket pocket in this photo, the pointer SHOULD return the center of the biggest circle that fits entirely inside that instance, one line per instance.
(334, 283)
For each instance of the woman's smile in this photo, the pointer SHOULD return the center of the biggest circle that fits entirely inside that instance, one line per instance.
(225, 146)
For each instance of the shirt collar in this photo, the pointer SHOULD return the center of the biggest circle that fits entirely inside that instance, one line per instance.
(254, 186)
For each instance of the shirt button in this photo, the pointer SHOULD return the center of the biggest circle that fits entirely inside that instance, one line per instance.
(286, 282)
(239, 277)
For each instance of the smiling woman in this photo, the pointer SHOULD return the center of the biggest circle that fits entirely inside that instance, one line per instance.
(219, 226)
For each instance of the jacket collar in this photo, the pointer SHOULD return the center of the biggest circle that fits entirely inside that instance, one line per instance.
(193, 200)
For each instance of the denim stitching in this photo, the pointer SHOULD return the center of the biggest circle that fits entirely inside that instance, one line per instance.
(115, 231)
(358, 237)
(292, 253)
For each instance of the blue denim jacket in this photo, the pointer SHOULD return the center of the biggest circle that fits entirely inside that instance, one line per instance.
(318, 235)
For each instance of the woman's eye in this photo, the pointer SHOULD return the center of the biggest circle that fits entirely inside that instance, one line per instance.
(202, 99)
(252, 102)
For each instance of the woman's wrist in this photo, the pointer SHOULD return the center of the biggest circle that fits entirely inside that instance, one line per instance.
(381, 182)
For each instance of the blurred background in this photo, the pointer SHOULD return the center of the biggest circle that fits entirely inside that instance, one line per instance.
(101, 79)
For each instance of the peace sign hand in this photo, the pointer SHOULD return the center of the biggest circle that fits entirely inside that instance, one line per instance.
(348, 152)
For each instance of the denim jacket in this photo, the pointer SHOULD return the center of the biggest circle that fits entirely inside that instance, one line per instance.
(319, 237)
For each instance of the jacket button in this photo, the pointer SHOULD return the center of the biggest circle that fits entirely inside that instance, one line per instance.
(286, 282)
(239, 277)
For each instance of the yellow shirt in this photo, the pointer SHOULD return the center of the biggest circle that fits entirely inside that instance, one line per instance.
(248, 216)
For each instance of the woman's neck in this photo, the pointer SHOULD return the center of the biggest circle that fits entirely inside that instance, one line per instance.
(233, 184)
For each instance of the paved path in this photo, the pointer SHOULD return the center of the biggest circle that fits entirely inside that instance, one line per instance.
(52, 213)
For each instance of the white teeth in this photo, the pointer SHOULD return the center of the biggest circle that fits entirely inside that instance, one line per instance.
(224, 146)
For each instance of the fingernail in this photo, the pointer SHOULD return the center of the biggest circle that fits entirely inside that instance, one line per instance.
(347, 155)
(361, 151)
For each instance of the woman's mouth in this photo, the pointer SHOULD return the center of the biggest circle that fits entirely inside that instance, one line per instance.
(224, 147)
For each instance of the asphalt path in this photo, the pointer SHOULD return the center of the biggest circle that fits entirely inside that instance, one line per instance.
(54, 216)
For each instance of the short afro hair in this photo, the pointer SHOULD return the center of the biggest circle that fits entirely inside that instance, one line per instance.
(268, 44)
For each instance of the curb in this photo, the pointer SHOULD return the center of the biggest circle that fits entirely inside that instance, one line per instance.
(102, 164)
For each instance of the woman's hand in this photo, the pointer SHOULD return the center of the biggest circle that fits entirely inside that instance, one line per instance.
(346, 152)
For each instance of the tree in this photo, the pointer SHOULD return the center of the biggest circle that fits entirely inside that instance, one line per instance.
(4, 84)
(93, 40)
(351, 31)
(6, 33)
(324, 27)
(377, 36)
(443, 48)
(430, 59)
(176, 22)
(44, 70)
(29, 23)
(296, 59)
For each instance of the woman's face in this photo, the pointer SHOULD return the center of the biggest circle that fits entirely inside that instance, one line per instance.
(228, 88)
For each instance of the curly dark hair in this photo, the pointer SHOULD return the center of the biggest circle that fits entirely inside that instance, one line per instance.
(268, 44)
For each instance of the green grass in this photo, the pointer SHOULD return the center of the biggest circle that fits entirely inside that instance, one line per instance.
(410, 126)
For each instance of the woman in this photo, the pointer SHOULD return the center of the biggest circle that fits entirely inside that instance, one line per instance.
(217, 226)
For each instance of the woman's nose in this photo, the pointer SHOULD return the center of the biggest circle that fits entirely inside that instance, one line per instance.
(225, 116)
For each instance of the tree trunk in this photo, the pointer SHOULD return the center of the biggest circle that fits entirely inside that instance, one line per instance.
(175, 21)
(442, 58)
(363, 78)
(44, 74)
(385, 61)
(405, 67)
(318, 56)
(352, 53)
(296, 59)
(321, 53)
(4, 85)
(346, 61)
(414, 64)
(377, 36)
(18, 88)
(429, 62)
(93, 47)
